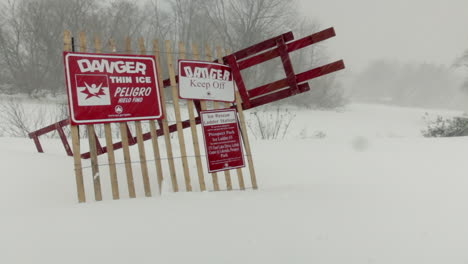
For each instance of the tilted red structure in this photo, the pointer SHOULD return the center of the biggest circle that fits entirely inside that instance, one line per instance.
(280, 46)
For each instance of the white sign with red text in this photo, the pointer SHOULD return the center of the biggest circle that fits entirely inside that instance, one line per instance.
(201, 80)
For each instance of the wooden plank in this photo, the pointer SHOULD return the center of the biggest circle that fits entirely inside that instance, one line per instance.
(167, 137)
(227, 173)
(154, 137)
(111, 159)
(92, 139)
(124, 135)
(214, 175)
(312, 39)
(75, 135)
(94, 163)
(157, 153)
(320, 71)
(287, 66)
(237, 76)
(292, 46)
(139, 132)
(175, 99)
(49, 128)
(259, 47)
(64, 139)
(127, 160)
(109, 145)
(37, 143)
(240, 174)
(144, 166)
(196, 56)
(193, 127)
(245, 137)
(301, 77)
(273, 97)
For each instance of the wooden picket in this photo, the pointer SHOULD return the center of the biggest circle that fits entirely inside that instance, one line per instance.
(165, 125)
(227, 173)
(125, 146)
(154, 135)
(75, 135)
(193, 127)
(240, 174)
(175, 100)
(109, 144)
(92, 138)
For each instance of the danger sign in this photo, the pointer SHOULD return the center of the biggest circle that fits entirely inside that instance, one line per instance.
(222, 140)
(205, 81)
(105, 88)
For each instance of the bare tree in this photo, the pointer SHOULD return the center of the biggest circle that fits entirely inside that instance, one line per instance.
(241, 23)
(29, 41)
(31, 33)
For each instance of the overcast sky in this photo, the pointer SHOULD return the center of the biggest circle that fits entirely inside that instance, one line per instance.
(433, 31)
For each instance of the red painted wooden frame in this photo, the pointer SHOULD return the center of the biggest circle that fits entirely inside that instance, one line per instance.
(279, 46)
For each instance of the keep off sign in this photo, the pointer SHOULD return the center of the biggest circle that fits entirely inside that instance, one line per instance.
(222, 140)
(105, 88)
(205, 81)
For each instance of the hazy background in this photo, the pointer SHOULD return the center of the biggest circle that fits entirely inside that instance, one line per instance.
(409, 53)
(398, 52)
(419, 31)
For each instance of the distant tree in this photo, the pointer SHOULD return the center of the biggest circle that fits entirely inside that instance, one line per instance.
(31, 33)
(28, 41)
(462, 62)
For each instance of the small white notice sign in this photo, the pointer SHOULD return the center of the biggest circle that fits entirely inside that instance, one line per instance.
(202, 80)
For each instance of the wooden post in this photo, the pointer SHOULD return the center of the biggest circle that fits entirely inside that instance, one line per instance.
(240, 175)
(167, 137)
(248, 151)
(214, 175)
(67, 39)
(196, 56)
(154, 136)
(144, 166)
(125, 146)
(157, 154)
(109, 144)
(227, 173)
(92, 139)
(127, 160)
(139, 132)
(175, 99)
(193, 127)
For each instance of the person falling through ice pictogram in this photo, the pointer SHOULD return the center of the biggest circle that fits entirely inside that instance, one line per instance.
(93, 90)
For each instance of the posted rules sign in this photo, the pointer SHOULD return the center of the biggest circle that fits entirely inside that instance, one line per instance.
(104, 88)
(222, 140)
(205, 81)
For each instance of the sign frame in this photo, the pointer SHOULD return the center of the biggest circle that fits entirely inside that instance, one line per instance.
(72, 90)
(237, 136)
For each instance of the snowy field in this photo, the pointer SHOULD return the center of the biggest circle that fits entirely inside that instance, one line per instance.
(359, 185)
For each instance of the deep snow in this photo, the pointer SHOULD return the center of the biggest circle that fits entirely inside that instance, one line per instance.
(372, 190)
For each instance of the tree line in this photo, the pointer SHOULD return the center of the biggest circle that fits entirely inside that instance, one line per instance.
(31, 32)
(411, 84)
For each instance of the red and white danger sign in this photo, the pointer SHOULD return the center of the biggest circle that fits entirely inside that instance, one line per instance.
(222, 140)
(205, 81)
(105, 88)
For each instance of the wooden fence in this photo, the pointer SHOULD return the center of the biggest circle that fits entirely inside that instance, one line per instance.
(168, 157)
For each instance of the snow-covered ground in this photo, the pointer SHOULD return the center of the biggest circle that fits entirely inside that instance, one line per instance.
(359, 185)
